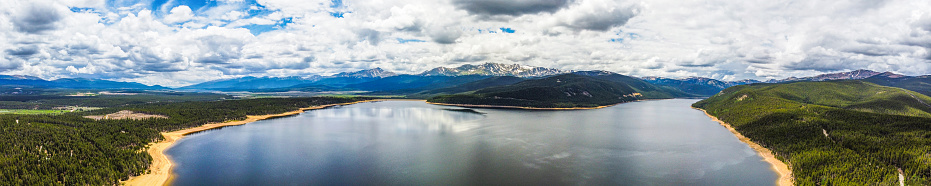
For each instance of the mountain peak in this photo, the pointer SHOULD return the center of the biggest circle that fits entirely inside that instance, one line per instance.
(494, 69)
(377, 72)
(891, 75)
(594, 73)
(856, 74)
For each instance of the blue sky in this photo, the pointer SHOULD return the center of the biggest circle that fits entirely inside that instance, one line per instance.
(181, 42)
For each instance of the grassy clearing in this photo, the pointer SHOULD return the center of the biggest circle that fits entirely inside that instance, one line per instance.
(26, 111)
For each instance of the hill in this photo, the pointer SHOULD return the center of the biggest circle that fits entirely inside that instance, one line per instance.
(836, 132)
(561, 91)
(648, 89)
(251, 83)
(920, 84)
(472, 86)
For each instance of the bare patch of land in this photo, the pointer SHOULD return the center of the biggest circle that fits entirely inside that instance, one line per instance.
(125, 114)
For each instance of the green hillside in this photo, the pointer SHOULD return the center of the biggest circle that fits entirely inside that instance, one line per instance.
(468, 87)
(68, 149)
(562, 91)
(834, 133)
(920, 84)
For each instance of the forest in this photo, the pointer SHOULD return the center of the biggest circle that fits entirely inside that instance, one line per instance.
(834, 133)
(562, 91)
(68, 149)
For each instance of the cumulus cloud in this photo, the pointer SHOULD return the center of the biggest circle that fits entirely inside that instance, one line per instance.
(180, 14)
(219, 49)
(178, 45)
(371, 36)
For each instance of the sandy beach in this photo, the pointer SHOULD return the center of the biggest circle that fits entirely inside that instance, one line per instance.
(785, 174)
(160, 170)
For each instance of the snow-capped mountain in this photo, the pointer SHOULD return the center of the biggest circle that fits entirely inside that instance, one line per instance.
(494, 69)
(856, 74)
(370, 73)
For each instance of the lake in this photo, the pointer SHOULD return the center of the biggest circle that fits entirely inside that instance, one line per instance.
(661, 142)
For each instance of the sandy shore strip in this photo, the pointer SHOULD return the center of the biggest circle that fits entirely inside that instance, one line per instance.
(160, 170)
(785, 174)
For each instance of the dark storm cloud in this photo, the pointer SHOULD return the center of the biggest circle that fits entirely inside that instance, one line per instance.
(510, 7)
(602, 21)
(445, 36)
(37, 19)
(10, 65)
(23, 52)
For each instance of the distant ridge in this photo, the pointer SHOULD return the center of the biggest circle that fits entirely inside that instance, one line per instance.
(73, 83)
(697, 85)
(852, 75)
(250, 83)
(370, 73)
(385, 82)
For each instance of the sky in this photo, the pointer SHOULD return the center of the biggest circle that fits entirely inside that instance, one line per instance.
(182, 42)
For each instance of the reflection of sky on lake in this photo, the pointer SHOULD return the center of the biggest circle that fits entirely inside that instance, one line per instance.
(413, 143)
(405, 117)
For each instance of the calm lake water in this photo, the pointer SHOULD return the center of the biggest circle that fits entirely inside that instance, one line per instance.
(662, 142)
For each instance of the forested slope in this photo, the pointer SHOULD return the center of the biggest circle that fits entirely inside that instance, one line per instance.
(834, 133)
(69, 149)
(562, 91)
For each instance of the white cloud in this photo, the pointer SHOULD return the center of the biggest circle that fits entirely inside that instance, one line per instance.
(719, 38)
(179, 14)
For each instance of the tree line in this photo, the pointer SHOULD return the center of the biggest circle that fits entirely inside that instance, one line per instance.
(69, 149)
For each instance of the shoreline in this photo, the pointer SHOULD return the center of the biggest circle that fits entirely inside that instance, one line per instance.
(781, 168)
(536, 108)
(159, 173)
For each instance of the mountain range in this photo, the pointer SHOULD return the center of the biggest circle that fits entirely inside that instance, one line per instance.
(494, 69)
(697, 85)
(463, 79)
(72, 83)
